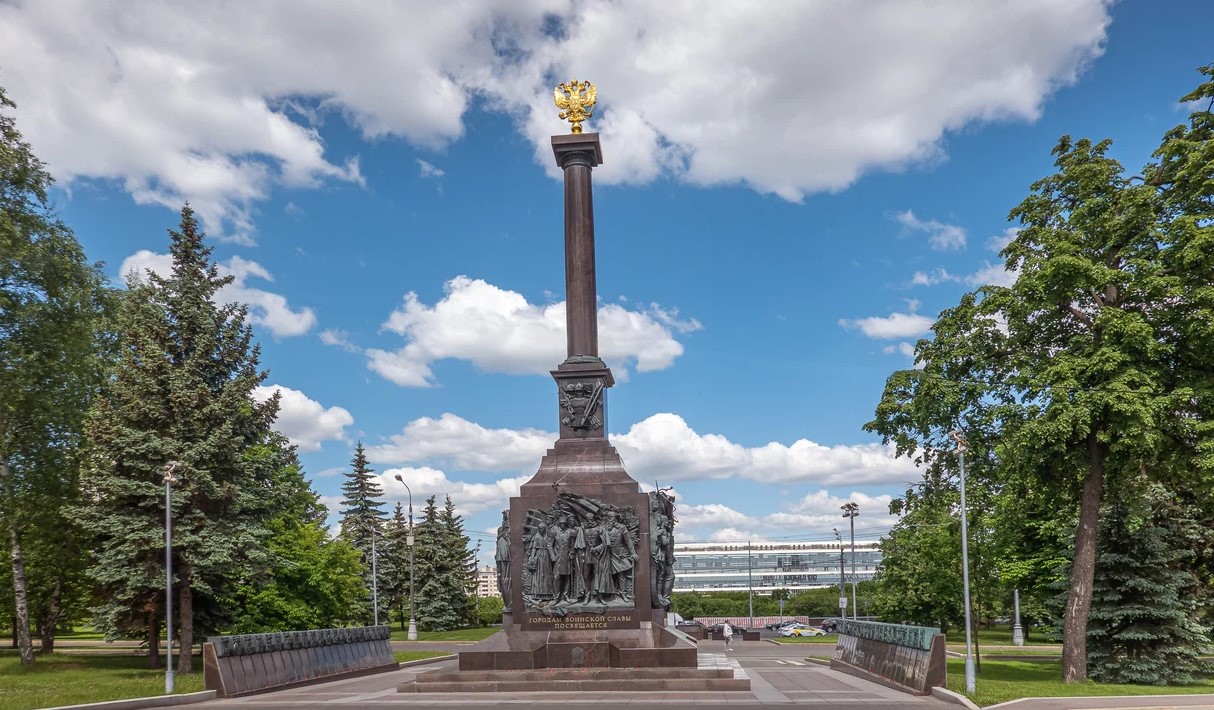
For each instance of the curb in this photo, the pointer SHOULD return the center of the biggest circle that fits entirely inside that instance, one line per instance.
(1198, 696)
(949, 696)
(155, 701)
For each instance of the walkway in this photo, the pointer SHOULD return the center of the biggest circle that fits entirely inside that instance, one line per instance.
(779, 676)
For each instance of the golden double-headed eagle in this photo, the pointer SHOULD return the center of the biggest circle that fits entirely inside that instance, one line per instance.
(576, 102)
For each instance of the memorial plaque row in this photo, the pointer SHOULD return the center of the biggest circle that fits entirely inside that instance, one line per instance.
(919, 637)
(248, 644)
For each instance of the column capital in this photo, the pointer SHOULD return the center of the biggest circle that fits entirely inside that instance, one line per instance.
(581, 148)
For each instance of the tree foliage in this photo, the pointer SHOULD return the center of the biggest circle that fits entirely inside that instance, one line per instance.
(314, 582)
(1092, 367)
(182, 390)
(1142, 628)
(444, 569)
(52, 304)
(362, 525)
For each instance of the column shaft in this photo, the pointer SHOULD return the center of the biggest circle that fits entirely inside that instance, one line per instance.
(581, 307)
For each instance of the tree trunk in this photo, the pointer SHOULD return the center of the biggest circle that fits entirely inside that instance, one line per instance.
(51, 623)
(155, 662)
(25, 645)
(1083, 570)
(185, 600)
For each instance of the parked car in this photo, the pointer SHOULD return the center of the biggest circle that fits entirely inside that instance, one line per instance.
(830, 626)
(718, 628)
(801, 630)
(777, 625)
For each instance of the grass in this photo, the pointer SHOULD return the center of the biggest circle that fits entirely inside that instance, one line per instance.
(471, 634)
(1023, 651)
(1000, 681)
(1000, 636)
(829, 638)
(58, 679)
(406, 656)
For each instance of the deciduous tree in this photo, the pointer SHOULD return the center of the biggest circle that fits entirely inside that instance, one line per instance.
(51, 306)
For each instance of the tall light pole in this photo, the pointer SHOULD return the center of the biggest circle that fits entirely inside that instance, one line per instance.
(168, 574)
(750, 584)
(850, 511)
(409, 543)
(374, 579)
(959, 438)
(842, 573)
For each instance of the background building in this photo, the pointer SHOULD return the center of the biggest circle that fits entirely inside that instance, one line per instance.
(486, 582)
(735, 566)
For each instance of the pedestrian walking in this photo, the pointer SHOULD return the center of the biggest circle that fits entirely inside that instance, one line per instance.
(727, 632)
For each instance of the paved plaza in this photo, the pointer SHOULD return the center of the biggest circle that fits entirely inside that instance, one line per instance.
(779, 675)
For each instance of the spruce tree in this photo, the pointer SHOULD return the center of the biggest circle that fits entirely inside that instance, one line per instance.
(1141, 629)
(394, 594)
(442, 569)
(463, 564)
(362, 521)
(181, 390)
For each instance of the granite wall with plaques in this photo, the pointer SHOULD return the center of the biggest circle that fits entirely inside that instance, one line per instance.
(906, 657)
(252, 663)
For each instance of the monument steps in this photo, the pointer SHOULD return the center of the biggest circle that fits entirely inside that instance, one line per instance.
(579, 680)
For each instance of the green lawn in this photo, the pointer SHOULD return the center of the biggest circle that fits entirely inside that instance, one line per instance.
(829, 638)
(1011, 651)
(405, 656)
(68, 680)
(999, 636)
(472, 634)
(1000, 681)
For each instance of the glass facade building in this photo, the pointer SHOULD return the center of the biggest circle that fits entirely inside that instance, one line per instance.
(733, 566)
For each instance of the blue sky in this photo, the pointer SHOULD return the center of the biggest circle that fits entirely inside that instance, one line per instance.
(790, 193)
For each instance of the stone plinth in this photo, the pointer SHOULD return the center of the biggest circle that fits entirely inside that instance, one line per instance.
(650, 645)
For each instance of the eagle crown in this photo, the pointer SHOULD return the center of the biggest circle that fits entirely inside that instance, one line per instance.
(576, 101)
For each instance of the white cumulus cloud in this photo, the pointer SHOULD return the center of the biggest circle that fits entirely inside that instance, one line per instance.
(468, 497)
(464, 445)
(661, 447)
(940, 236)
(303, 420)
(894, 326)
(499, 331)
(265, 308)
(664, 447)
(786, 98)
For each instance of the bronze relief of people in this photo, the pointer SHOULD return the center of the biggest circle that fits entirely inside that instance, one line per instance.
(661, 548)
(502, 558)
(581, 556)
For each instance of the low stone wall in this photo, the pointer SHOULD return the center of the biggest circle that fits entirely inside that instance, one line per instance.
(252, 663)
(905, 657)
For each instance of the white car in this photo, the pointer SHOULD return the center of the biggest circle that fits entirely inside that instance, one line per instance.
(801, 630)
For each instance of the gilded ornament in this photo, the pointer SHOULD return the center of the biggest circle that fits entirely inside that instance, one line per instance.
(576, 101)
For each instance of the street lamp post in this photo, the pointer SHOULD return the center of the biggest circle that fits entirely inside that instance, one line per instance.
(409, 543)
(168, 574)
(750, 584)
(842, 577)
(850, 511)
(374, 579)
(970, 682)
